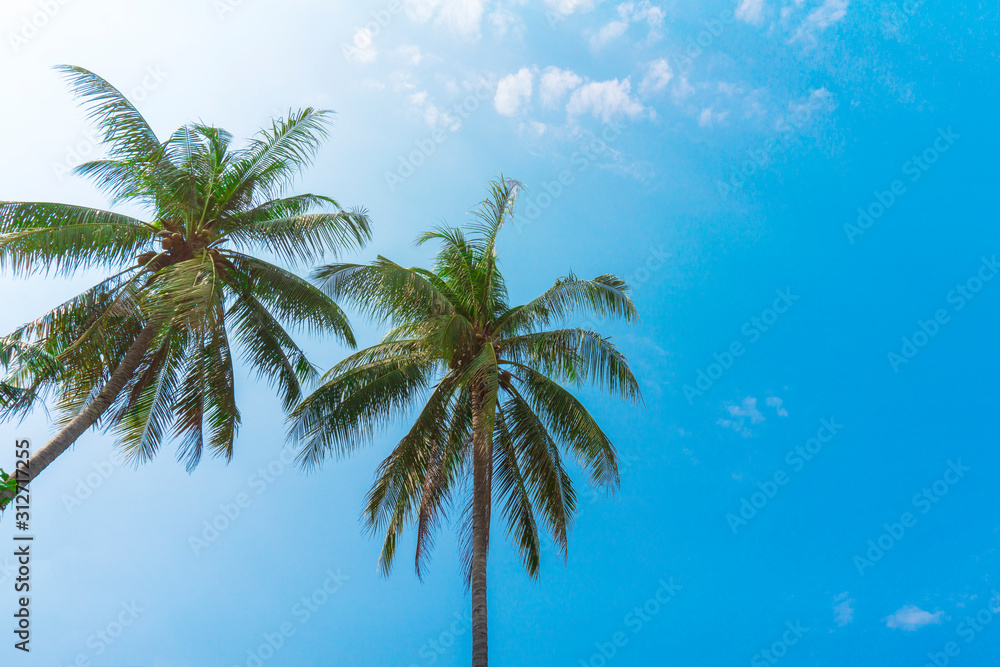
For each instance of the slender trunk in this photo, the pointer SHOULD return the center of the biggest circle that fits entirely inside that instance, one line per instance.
(482, 460)
(97, 407)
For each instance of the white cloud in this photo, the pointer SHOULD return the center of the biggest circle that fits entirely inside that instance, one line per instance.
(657, 77)
(534, 128)
(843, 613)
(775, 402)
(651, 14)
(803, 111)
(421, 11)
(363, 50)
(512, 90)
(630, 12)
(608, 33)
(567, 7)
(505, 21)
(605, 100)
(461, 17)
(709, 118)
(751, 11)
(420, 104)
(746, 410)
(912, 617)
(409, 53)
(555, 83)
(821, 18)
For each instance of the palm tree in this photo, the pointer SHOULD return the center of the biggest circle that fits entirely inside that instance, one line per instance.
(497, 407)
(147, 350)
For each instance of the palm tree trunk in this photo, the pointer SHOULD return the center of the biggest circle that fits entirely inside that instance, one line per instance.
(482, 460)
(97, 407)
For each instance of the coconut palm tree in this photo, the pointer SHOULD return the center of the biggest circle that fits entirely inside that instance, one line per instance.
(496, 407)
(147, 350)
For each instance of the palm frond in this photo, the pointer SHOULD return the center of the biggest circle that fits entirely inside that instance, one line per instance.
(39, 237)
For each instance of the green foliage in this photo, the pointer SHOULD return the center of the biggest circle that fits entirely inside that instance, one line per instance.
(8, 489)
(192, 270)
(456, 343)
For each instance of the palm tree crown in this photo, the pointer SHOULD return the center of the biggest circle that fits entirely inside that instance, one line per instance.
(496, 407)
(147, 350)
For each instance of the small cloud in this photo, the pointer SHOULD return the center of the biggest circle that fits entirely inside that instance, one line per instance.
(532, 128)
(708, 117)
(803, 111)
(555, 83)
(608, 33)
(751, 11)
(740, 414)
(567, 7)
(421, 105)
(843, 613)
(505, 21)
(409, 53)
(512, 91)
(911, 618)
(775, 402)
(821, 18)
(657, 77)
(628, 13)
(461, 17)
(605, 100)
(363, 50)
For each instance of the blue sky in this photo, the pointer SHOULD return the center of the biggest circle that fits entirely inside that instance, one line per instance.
(805, 185)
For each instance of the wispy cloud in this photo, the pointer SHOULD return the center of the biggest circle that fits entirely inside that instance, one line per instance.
(751, 11)
(628, 13)
(775, 402)
(567, 7)
(740, 414)
(843, 612)
(462, 17)
(821, 18)
(912, 617)
(658, 75)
